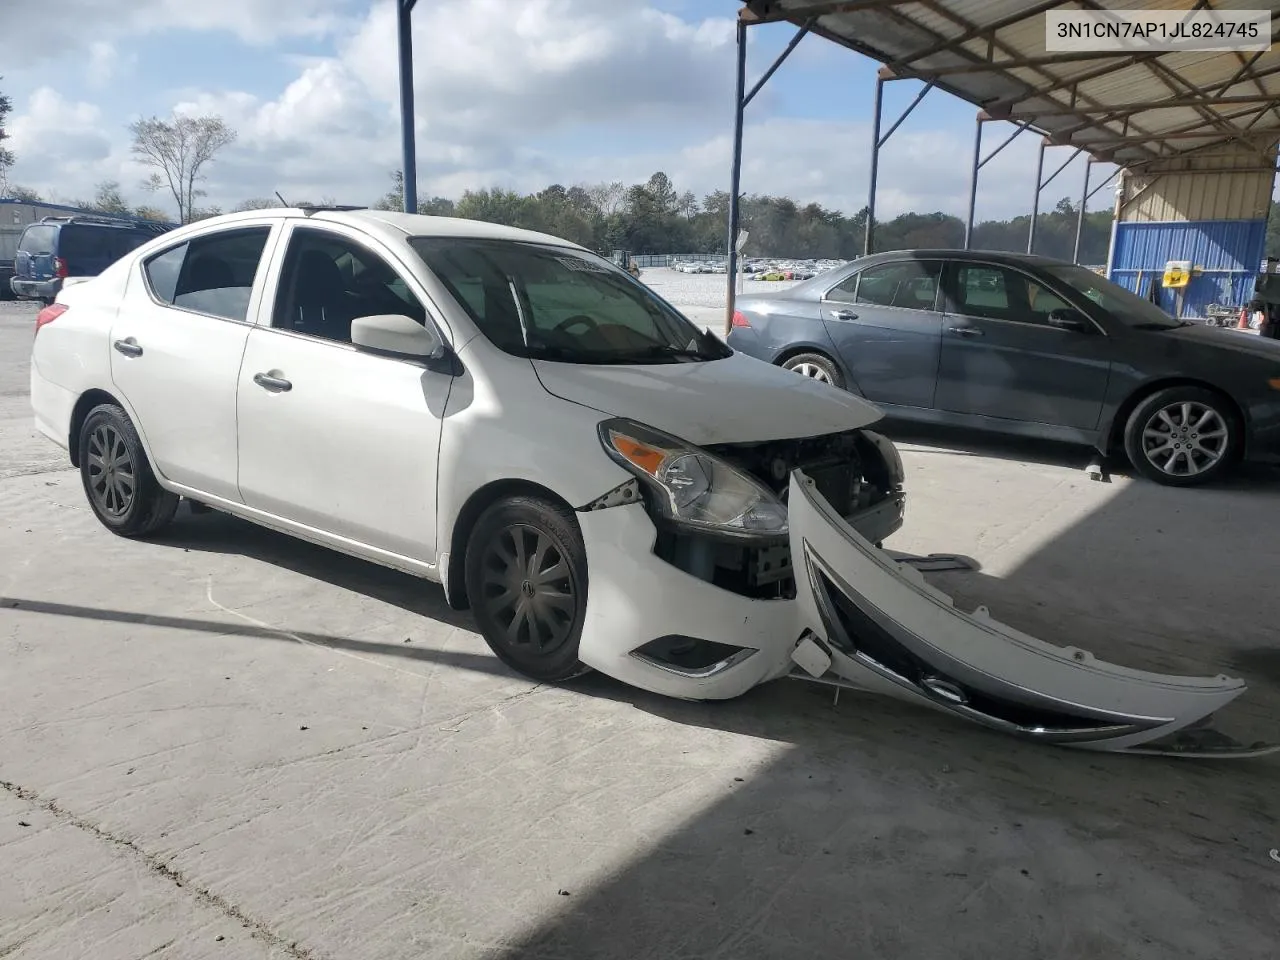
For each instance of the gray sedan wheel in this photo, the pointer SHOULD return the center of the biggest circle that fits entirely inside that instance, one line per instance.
(1182, 436)
(816, 367)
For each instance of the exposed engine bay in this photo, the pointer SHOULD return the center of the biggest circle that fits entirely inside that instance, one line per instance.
(850, 472)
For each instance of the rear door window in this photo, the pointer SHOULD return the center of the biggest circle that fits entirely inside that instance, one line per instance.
(912, 284)
(79, 243)
(213, 274)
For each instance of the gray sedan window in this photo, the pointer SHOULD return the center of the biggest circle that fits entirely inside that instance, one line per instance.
(912, 284)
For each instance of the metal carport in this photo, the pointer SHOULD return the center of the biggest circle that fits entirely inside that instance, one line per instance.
(1193, 133)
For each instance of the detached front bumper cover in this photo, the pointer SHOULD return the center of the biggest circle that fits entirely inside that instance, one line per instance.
(884, 629)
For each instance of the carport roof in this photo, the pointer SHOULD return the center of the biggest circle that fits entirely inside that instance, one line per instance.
(1120, 107)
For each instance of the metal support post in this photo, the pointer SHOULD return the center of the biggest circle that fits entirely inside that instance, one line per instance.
(1084, 200)
(973, 182)
(409, 147)
(735, 185)
(878, 141)
(1035, 202)
(869, 235)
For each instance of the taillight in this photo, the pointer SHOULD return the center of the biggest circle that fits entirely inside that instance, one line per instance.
(60, 268)
(739, 320)
(50, 314)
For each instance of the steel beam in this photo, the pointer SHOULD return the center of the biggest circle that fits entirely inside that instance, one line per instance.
(799, 35)
(1008, 140)
(1035, 201)
(973, 180)
(408, 132)
(1084, 200)
(869, 228)
(735, 177)
(878, 141)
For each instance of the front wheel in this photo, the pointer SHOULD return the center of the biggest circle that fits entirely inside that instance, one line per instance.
(526, 577)
(1182, 436)
(122, 490)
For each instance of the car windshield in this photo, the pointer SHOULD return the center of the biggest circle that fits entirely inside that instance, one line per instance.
(558, 303)
(1118, 303)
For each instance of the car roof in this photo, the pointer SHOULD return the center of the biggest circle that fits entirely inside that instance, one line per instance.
(943, 253)
(392, 224)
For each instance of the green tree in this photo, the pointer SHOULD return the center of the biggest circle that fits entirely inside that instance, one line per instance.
(107, 199)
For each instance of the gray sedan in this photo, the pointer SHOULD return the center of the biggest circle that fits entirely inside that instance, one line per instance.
(1027, 346)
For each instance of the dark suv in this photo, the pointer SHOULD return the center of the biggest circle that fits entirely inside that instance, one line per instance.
(60, 247)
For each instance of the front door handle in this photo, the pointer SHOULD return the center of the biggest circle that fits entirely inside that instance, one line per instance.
(965, 331)
(128, 346)
(844, 315)
(274, 384)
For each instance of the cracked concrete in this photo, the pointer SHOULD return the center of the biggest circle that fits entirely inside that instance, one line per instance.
(224, 733)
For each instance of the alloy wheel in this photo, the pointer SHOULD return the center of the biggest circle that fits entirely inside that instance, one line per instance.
(812, 371)
(112, 475)
(1185, 439)
(528, 590)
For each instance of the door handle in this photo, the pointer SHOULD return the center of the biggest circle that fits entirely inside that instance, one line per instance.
(965, 331)
(844, 315)
(274, 384)
(128, 346)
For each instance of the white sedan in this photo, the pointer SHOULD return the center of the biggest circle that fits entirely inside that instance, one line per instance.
(603, 483)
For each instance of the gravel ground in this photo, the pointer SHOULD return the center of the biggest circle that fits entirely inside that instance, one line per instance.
(700, 289)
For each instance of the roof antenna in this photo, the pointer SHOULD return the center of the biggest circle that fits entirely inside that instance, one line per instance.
(282, 200)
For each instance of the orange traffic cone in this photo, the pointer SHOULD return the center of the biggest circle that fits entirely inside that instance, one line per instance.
(1244, 319)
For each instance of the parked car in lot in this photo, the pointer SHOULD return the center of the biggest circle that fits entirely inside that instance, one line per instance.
(73, 246)
(606, 485)
(1029, 346)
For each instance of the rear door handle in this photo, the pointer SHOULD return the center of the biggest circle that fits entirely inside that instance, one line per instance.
(844, 315)
(965, 331)
(128, 346)
(274, 384)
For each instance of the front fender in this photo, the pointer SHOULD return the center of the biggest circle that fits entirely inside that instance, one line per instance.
(487, 438)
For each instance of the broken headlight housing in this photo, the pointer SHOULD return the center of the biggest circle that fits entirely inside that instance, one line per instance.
(694, 488)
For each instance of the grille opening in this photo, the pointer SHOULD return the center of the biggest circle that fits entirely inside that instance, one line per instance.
(687, 653)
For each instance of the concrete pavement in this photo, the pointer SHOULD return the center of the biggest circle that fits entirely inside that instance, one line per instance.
(226, 743)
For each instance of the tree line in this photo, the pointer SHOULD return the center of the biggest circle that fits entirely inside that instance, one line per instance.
(653, 217)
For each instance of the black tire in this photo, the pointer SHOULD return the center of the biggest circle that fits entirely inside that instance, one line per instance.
(1183, 436)
(533, 624)
(816, 366)
(109, 444)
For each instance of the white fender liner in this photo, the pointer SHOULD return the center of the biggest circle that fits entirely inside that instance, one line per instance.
(887, 630)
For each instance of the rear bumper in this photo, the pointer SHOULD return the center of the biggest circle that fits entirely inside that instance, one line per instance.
(52, 406)
(35, 289)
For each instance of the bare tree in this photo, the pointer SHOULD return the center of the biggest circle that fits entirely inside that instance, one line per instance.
(6, 156)
(179, 148)
(608, 197)
(255, 203)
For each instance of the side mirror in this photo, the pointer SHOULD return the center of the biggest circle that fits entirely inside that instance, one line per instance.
(398, 335)
(1069, 320)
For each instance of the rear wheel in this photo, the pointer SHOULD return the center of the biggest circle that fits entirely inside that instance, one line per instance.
(815, 366)
(122, 490)
(526, 576)
(1182, 436)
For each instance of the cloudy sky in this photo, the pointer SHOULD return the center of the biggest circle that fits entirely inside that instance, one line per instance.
(512, 93)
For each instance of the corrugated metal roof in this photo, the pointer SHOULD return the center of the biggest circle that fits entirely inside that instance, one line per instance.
(1121, 107)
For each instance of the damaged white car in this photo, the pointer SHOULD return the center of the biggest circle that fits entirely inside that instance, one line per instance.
(605, 485)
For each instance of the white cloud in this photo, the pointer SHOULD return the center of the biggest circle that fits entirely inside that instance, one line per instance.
(494, 78)
(80, 23)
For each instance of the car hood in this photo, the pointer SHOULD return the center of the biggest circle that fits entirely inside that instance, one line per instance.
(1196, 336)
(735, 400)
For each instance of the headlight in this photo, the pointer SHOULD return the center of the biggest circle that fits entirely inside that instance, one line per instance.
(695, 488)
